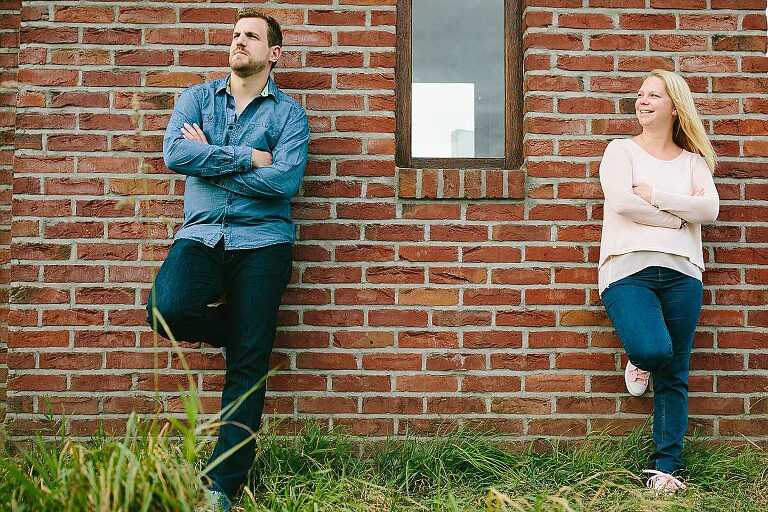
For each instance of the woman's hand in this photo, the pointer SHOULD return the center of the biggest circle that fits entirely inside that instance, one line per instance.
(193, 132)
(643, 190)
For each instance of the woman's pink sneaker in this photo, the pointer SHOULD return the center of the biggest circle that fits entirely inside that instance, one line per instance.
(636, 379)
(663, 483)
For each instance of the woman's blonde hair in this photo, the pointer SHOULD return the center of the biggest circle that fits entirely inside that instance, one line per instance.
(687, 131)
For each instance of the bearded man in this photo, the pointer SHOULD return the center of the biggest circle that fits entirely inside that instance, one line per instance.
(242, 143)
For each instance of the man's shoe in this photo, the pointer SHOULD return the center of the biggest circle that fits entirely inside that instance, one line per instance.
(663, 483)
(216, 501)
(636, 379)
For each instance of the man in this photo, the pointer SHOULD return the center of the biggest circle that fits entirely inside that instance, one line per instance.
(243, 145)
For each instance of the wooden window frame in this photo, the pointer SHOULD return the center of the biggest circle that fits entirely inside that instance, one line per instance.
(513, 92)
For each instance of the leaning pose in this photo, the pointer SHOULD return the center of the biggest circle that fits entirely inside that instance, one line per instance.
(242, 143)
(658, 191)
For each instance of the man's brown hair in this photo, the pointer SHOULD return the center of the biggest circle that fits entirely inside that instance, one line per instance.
(274, 33)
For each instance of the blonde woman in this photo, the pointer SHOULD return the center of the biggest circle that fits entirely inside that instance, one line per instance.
(658, 191)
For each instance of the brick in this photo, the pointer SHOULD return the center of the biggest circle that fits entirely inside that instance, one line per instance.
(554, 83)
(46, 35)
(323, 361)
(446, 362)
(643, 63)
(334, 102)
(455, 405)
(585, 21)
(492, 339)
(754, 22)
(336, 18)
(111, 36)
(491, 296)
(366, 38)
(174, 36)
(646, 21)
(448, 275)
(144, 58)
(73, 317)
(616, 42)
(38, 383)
(365, 81)
(309, 38)
(458, 233)
(397, 405)
(362, 339)
(396, 318)
(431, 339)
(739, 43)
(574, 405)
(426, 383)
(678, 4)
(111, 79)
(146, 15)
(557, 427)
(79, 57)
(100, 382)
(51, 77)
(553, 41)
(392, 361)
(333, 317)
(708, 22)
(537, 19)
(428, 297)
(553, 383)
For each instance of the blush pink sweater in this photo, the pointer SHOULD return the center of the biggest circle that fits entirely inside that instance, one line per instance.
(630, 224)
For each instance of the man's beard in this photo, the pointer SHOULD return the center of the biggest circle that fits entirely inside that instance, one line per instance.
(245, 67)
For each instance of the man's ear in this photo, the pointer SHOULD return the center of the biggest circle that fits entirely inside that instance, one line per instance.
(275, 53)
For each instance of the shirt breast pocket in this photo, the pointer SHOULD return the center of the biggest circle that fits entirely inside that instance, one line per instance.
(261, 135)
(212, 130)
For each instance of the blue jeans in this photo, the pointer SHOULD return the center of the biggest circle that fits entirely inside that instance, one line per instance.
(252, 281)
(654, 313)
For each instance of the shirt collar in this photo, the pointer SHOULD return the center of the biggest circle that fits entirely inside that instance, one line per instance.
(268, 89)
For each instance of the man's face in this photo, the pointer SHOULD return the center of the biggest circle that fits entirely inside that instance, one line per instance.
(250, 52)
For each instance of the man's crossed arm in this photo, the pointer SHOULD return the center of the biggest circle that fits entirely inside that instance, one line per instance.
(240, 169)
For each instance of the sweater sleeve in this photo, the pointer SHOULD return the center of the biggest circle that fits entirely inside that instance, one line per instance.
(616, 180)
(697, 209)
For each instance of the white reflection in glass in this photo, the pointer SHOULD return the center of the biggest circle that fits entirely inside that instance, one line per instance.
(443, 120)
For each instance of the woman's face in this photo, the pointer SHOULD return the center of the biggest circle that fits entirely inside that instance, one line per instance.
(653, 106)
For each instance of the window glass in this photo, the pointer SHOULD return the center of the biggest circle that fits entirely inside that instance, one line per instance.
(457, 95)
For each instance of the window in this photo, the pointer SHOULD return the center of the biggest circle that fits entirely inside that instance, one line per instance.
(459, 84)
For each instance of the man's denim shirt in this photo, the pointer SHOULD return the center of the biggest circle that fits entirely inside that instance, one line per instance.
(224, 196)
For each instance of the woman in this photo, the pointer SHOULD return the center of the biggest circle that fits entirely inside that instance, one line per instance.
(658, 191)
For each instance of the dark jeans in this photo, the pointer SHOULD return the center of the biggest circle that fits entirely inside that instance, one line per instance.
(654, 312)
(252, 281)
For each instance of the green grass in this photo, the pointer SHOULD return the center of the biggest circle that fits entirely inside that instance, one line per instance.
(148, 470)
(160, 465)
(466, 471)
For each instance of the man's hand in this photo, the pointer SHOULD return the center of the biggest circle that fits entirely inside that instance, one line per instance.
(643, 190)
(193, 132)
(260, 158)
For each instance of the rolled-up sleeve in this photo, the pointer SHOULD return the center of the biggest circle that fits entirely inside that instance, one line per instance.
(289, 159)
(195, 158)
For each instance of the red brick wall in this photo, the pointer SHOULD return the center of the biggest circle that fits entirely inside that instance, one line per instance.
(9, 47)
(406, 311)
